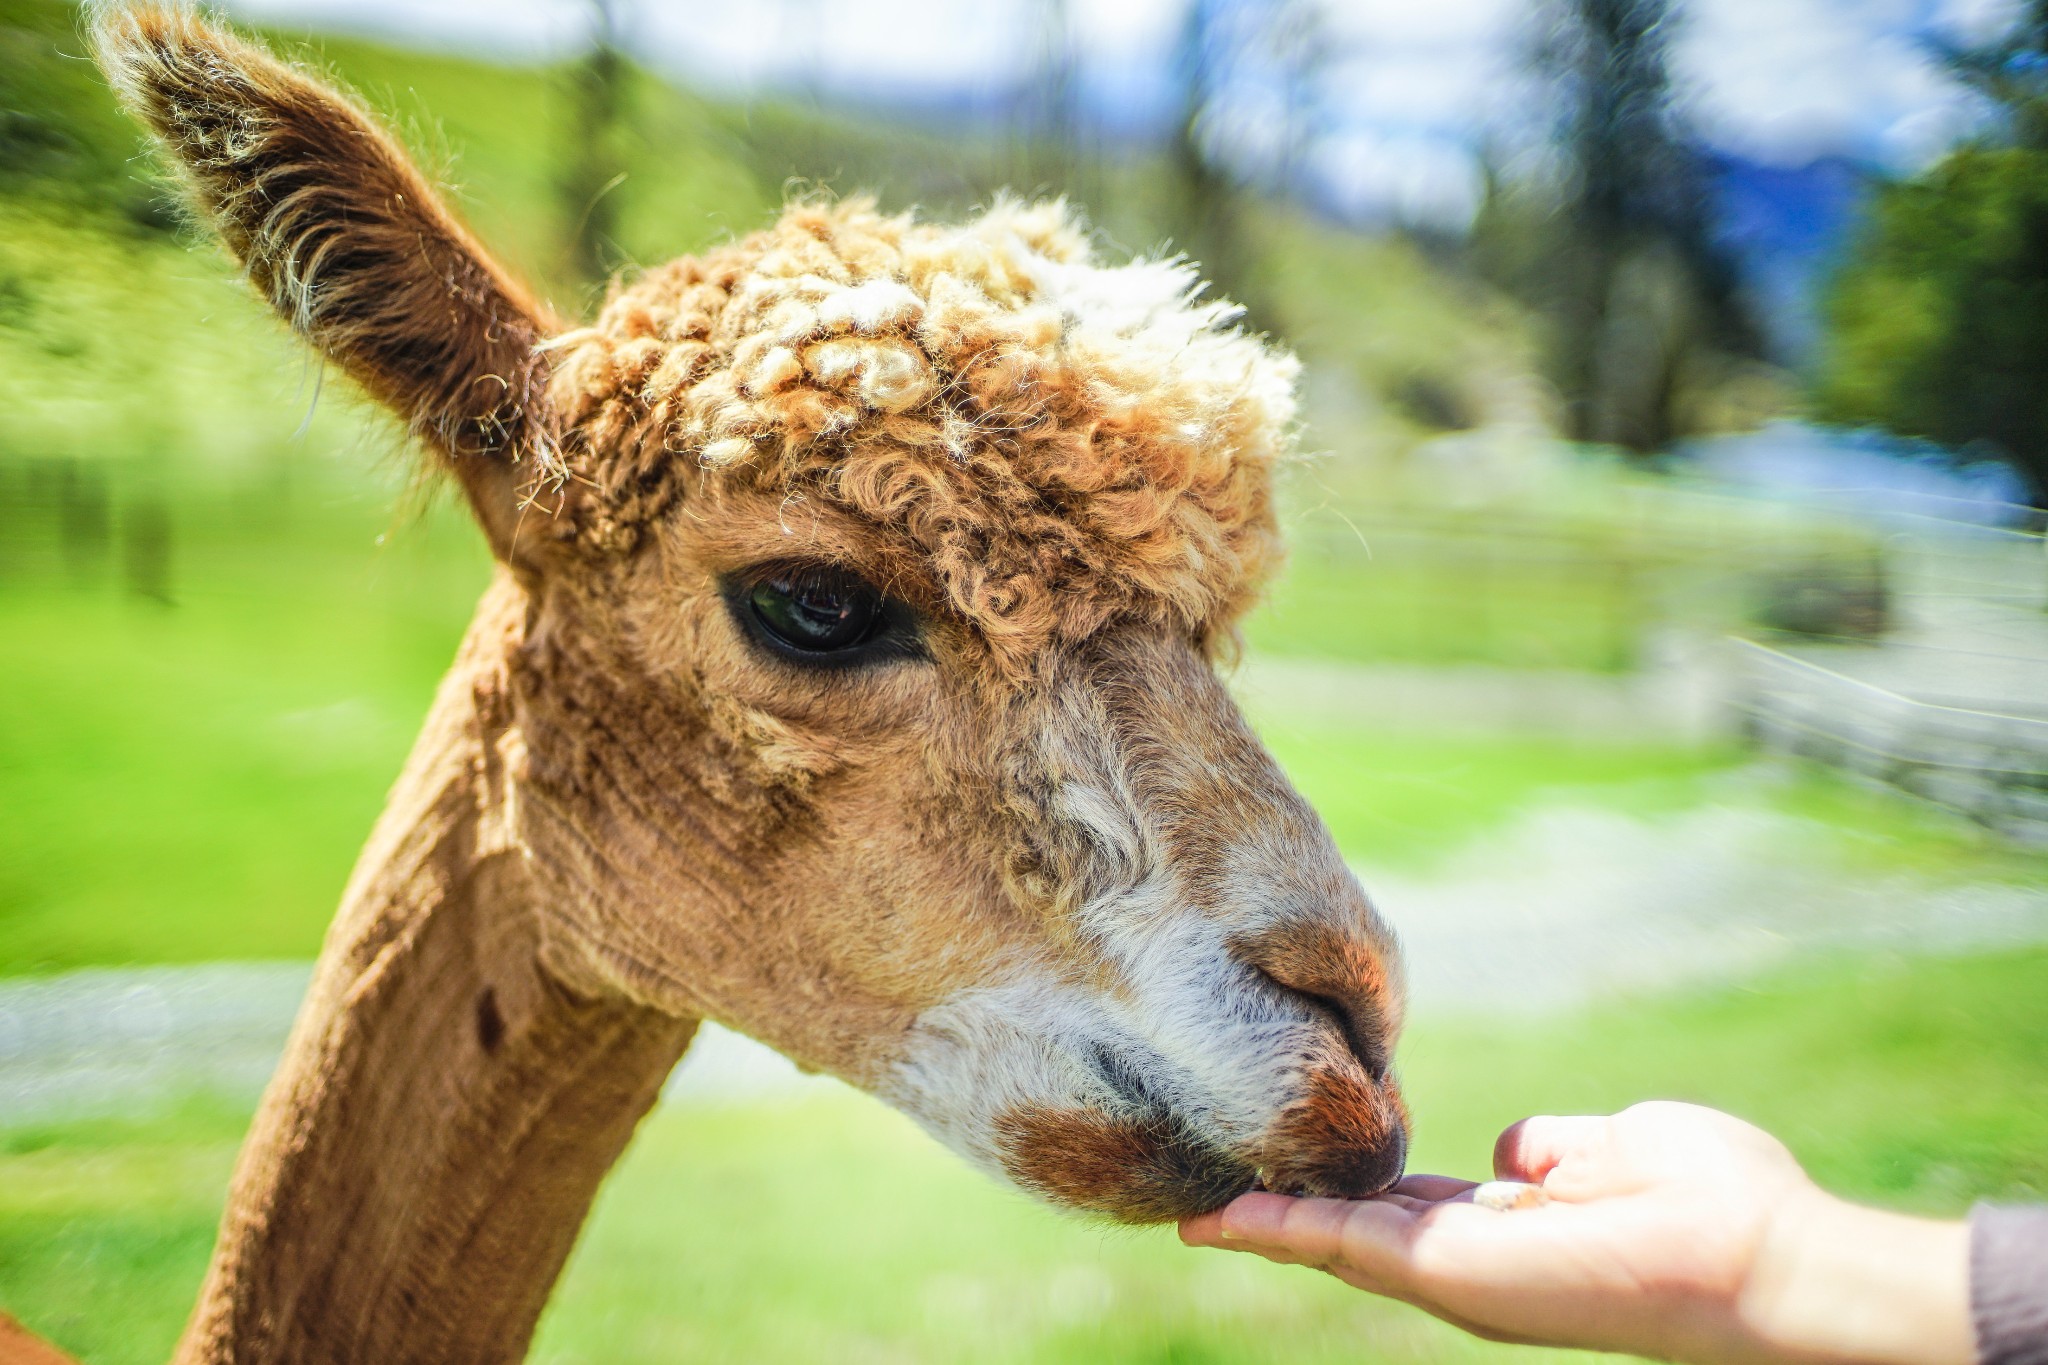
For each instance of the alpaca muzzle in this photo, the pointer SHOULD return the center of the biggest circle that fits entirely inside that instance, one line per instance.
(1346, 1135)
(1214, 1003)
(1215, 1064)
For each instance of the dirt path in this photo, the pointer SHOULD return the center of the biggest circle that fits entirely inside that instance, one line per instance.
(106, 1041)
(1571, 906)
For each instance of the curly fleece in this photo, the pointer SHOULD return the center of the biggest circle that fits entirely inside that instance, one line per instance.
(1065, 442)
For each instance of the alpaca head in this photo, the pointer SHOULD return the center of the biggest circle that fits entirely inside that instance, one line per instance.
(865, 698)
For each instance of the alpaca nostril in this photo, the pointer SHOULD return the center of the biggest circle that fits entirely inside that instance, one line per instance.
(1392, 1162)
(1360, 1035)
(1362, 1039)
(1337, 975)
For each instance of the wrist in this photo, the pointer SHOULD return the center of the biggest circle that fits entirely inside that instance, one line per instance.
(1834, 1283)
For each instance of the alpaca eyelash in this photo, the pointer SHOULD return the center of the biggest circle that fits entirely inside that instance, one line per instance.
(889, 630)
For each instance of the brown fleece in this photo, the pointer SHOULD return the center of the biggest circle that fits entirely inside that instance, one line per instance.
(1061, 442)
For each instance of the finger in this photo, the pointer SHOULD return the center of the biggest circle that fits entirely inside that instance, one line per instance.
(1531, 1149)
(1431, 1187)
(1364, 1242)
(1277, 1255)
(1254, 1217)
(1206, 1230)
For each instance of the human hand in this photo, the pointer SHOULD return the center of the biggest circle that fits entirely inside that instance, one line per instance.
(1669, 1230)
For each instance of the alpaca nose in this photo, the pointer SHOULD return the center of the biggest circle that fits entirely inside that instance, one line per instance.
(1366, 1171)
(1339, 977)
(1344, 1132)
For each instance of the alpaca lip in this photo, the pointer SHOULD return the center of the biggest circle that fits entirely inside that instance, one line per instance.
(1209, 1172)
(1148, 1168)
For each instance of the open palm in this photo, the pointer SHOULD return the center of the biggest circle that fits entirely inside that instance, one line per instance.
(1668, 1230)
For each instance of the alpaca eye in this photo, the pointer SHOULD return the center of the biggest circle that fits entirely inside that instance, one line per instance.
(815, 610)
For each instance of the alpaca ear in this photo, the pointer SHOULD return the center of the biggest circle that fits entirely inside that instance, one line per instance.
(351, 245)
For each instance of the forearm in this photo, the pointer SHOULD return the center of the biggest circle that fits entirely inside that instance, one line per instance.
(2009, 1284)
(1838, 1284)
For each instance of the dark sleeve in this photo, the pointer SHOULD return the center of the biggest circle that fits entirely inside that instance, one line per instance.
(2009, 1284)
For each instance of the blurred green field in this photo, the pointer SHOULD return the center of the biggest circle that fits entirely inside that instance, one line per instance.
(190, 778)
(192, 781)
(212, 677)
(828, 1229)
(191, 760)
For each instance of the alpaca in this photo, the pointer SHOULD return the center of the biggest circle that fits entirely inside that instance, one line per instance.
(847, 676)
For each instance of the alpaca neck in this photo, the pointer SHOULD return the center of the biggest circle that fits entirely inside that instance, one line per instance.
(447, 1105)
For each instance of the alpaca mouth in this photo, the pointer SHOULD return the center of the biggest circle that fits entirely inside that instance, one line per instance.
(1121, 1073)
(1170, 1100)
(1155, 1168)
(1145, 1162)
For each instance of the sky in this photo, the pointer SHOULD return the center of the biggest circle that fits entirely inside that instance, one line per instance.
(1409, 90)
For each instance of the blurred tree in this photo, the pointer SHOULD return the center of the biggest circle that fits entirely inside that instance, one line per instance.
(1300, 43)
(593, 161)
(1045, 140)
(1611, 244)
(1938, 320)
(1205, 209)
(2012, 73)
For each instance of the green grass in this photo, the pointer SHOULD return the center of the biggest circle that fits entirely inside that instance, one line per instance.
(192, 780)
(1404, 800)
(829, 1229)
(1454, 605)
(1916, 1083)
(105, 1227)
(1539, 559)
(116, 347)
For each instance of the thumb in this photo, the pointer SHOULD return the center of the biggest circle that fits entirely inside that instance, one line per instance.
(1528, 1151)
